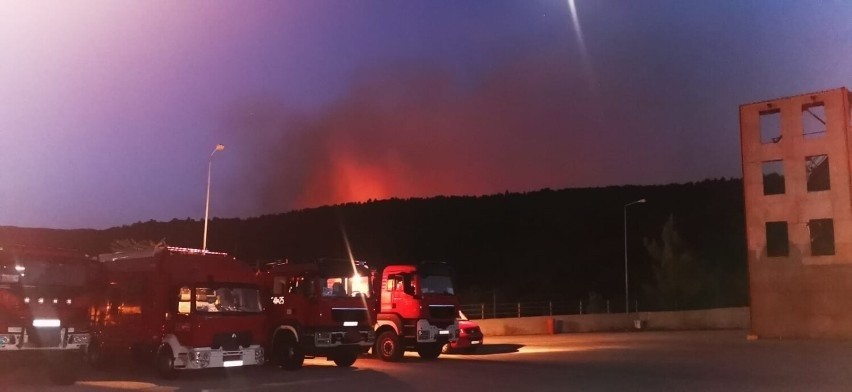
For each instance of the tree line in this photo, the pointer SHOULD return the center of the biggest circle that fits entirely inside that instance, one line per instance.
(686, 246)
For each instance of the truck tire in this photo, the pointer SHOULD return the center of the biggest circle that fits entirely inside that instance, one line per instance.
(95, 356)
(388, 347)
(65, 369)
(346, 357)
(429, 350)
(287, 353)
(164, 362)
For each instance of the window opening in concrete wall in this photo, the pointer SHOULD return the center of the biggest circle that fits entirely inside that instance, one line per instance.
(773, 177)
(770, 126)
(822, 236)
(813, 120)
(777, 241)
(817, 172)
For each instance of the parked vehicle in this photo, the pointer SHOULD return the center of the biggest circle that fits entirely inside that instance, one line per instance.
(317, 309)
(470, 337)
(44, 308)
(182, 308)
(417, 310)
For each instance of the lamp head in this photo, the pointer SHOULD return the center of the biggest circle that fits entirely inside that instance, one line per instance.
(219, 147)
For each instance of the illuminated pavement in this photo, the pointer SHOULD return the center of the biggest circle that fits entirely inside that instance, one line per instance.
(641, 361)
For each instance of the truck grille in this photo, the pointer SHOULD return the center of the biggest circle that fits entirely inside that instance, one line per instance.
(442, 312)
(443, 324)
(231, 341)
(44, 337)
(349, 314)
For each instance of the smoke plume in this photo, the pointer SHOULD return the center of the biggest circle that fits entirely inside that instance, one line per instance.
(419, 131)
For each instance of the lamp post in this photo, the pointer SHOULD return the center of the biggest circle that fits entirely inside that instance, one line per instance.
(219, 147)
(626, 275)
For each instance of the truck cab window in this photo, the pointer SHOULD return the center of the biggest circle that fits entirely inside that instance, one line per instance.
(205, 300)
(227, 299)
(298, 286)
(333, 287)
(408, 284)
(437, 284)
(184, 297)
(359, 286)
(345, 286)
(114, 298)
(279, 285)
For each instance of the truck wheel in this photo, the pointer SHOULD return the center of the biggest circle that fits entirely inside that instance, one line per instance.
(65, 369)
(140, 355)
(346, 357)
(95, 357)
(288, 354)
(165, 363)
(429, 350)
(388, 347)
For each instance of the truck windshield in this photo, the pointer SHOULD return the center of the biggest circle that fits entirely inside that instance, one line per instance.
(436, 284)
(234, 299)
(40, 273)
(345, 286)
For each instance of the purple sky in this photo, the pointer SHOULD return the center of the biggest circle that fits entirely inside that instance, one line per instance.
(109, 110)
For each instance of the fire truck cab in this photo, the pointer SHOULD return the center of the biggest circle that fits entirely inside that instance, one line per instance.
(417, 310)
(44, 306)
(183, 308)
(317, 309)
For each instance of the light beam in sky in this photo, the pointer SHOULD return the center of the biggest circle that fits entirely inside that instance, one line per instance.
(581, 42)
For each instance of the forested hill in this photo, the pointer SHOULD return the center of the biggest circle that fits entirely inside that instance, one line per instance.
(547, 244)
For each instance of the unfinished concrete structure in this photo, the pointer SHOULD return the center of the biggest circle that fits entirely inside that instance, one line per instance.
(797, 154)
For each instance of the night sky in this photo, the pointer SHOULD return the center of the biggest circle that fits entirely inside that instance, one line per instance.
(109, 110)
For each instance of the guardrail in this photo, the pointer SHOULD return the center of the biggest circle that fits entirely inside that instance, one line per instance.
(521, 309)
(537, 308)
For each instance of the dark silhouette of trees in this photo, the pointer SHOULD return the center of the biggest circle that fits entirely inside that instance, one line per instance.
(679, 277)
(541, 245)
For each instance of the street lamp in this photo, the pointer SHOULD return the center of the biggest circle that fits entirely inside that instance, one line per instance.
(626, 275)
(219, 147)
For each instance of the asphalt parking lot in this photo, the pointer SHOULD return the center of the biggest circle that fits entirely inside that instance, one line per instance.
(631, 361)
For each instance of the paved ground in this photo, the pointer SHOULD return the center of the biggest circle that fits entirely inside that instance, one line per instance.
(638, 361)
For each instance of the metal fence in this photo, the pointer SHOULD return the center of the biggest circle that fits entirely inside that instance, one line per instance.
(539, 308)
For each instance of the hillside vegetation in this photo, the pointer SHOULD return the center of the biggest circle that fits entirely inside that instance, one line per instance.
(686, 245)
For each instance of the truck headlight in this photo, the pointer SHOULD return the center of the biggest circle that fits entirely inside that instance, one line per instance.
(424, 334)
(323, 337)
(201, 359)
(5, 339)
(258, 356)
(79, 339)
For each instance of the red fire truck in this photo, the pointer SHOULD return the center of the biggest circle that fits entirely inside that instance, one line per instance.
(317, 309)
(183, 308)
(417, 310)
(44, 308)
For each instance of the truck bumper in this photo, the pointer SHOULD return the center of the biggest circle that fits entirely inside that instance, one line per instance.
(65, 339)
(205, 357)
(332, 339)
(428, 333)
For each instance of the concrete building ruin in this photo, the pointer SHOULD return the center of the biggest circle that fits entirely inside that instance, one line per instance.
(796, 156)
